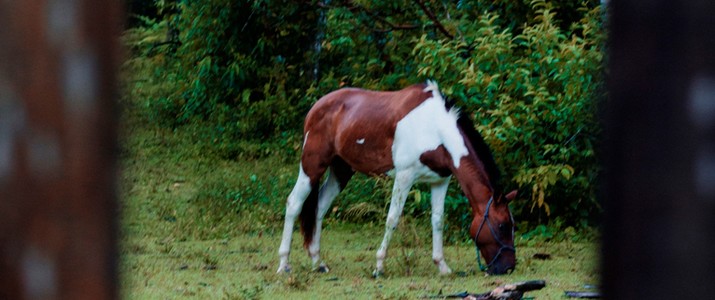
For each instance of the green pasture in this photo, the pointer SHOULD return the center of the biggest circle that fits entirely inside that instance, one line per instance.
(194, 226)
(214, 93)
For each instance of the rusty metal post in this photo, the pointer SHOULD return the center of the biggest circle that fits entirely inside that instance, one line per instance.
(58, 203)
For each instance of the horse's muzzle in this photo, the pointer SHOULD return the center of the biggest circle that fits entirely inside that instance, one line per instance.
(500, 269)
(503, 263)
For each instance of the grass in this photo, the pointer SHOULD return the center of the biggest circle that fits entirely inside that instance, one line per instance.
(244, 268)
(195, 225)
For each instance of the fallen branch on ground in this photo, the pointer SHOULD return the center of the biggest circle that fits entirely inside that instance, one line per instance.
(514, 291)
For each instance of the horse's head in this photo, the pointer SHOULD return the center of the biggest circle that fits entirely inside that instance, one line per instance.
(493, 233)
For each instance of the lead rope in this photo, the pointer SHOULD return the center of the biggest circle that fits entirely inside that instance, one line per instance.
(476, 246)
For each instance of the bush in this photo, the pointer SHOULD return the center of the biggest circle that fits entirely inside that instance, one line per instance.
(534, 96)
(528, 72)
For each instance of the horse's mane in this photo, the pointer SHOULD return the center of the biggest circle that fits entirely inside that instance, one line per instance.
(480, 146)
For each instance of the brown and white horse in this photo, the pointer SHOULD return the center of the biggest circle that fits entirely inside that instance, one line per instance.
(413, 136)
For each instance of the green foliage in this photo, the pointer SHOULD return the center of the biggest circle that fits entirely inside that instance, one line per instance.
(236, 54)
(239, 69)
(534, 96)
(243, 74)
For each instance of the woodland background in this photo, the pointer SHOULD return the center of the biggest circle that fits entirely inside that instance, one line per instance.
(236, 78)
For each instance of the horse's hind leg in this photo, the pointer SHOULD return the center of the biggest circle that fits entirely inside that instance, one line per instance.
(293, 206)
(338, 176)
(303, 200)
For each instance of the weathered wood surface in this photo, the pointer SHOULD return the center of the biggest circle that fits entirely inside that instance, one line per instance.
(57, 148)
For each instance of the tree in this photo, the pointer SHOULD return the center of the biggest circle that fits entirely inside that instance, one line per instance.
(528, 72)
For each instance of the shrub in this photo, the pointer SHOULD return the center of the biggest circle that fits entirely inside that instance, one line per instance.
(534, 96)
(528, 72)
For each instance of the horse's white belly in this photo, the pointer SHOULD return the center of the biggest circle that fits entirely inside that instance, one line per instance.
(421, 173)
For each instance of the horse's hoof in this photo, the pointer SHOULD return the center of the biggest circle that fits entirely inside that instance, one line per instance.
(445, 272)
(377, 274)
(322, 269)
(284, 270)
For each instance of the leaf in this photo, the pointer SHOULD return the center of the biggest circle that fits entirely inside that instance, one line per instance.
(547, 209)
(245, 96)
(508, 121)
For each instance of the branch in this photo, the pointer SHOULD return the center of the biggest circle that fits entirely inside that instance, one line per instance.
(459, 32)
(389, 24)
(349, 5)
(434, 19)
(321, 4)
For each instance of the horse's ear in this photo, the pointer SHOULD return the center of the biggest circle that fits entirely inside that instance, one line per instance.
(510, 196)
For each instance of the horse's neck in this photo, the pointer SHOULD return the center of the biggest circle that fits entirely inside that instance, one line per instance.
(474, 181)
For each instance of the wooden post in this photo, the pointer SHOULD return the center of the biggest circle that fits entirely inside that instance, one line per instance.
(57, 148)
(659, 187)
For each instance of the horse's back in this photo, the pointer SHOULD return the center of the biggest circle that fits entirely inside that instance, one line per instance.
(359, 125)
(361, 102)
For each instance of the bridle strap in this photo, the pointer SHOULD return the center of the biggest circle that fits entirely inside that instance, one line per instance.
(502, 246)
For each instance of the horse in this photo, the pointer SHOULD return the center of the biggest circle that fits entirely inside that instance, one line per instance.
(413, 135)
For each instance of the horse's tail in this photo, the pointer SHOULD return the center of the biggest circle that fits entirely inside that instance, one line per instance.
(309, 215)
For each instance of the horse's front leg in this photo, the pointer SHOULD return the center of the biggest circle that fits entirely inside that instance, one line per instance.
(403, 183)
(439, 191)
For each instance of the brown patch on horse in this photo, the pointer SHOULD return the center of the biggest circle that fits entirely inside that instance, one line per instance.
(438, 160)
(359, 125)
(474, 182)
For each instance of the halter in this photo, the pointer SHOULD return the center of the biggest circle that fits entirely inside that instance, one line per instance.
(494, 234)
